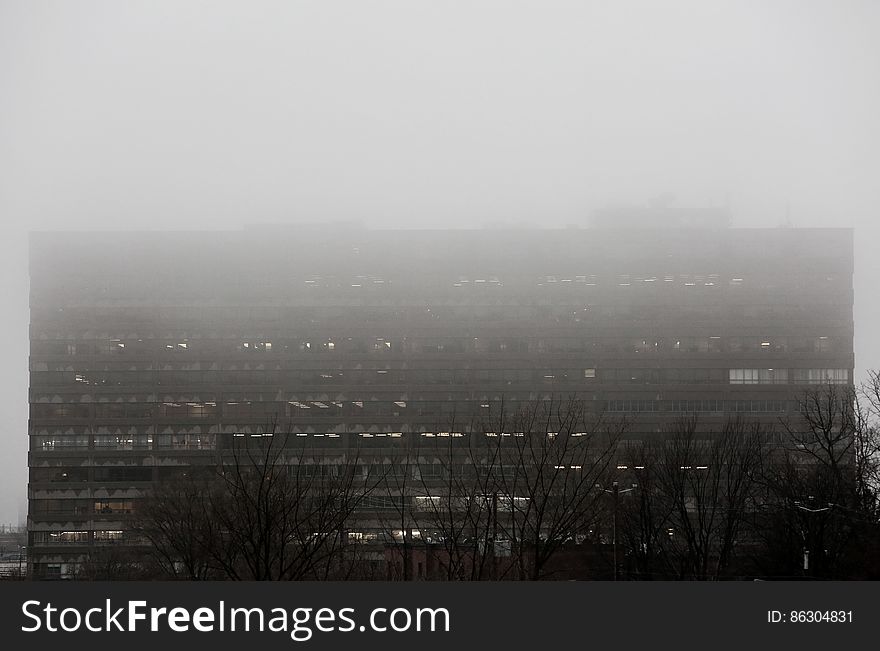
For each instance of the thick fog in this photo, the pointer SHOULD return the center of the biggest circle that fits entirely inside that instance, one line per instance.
(167, 114)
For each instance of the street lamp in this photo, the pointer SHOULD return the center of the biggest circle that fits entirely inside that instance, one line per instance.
(808, 509)
(616, 491)
(21, 549)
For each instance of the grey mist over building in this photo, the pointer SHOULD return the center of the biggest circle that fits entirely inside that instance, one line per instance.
(213, 116)
(152, 352)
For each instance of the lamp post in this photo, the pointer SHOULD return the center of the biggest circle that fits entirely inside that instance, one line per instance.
(21, 549)
(615, 490)
(808, 509)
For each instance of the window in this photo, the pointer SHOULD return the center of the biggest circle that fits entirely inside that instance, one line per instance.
(381, 344)
(51, 442)
(259, 346)
(824, 345)
(124, 410)
(431, 470)
(53, 570)
(187, 441)
(630, 406)
(59, 410)
(758, 376)
(123, 474)
(755, 406)
(61, 537)
(113, 506)
(59, 474)
(362, 536)
(316, 470)
(589, 373)
(821, 376)
(108, 537)
(427, 502)
(188, 409)
(123, 441)
(710, 406)
(61, 507)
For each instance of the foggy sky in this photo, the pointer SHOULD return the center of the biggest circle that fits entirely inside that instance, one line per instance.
(158, 114)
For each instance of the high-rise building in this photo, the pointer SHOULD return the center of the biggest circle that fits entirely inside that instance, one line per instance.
(149, 350)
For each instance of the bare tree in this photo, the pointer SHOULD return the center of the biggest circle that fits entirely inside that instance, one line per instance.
(498, 498)
(175, 520)
(459, 496)
(821, 508)
(393, 470)
(451, 505)
(644, 516)
(709, 479)
(552, 455)
(867, 447)
(274, 510)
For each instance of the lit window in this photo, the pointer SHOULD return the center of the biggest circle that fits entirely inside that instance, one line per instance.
(758, 376)
(254, 345)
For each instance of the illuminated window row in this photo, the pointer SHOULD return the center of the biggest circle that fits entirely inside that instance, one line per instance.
(700, 406)
(50, 442)
(460, 345)
(758, 376)
(99, 537)
(781, 376)
(81, 507)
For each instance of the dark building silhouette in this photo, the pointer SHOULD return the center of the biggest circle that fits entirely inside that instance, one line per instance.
(151, 350)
